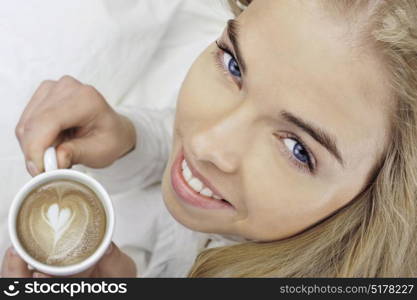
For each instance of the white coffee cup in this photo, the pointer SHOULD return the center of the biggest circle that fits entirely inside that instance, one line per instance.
(52, 173)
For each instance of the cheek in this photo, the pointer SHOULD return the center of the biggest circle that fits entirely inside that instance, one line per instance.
(283, 204)
(205, 91)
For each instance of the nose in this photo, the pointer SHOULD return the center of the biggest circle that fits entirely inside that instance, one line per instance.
(224, 141)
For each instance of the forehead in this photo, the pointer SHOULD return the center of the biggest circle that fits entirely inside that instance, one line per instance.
(301, 60)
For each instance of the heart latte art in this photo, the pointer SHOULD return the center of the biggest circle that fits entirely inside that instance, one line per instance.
(61, 223)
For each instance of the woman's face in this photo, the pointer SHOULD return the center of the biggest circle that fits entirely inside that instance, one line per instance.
(283, 119)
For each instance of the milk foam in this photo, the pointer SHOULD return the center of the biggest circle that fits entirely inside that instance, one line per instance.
(61, 223)
(58, 219)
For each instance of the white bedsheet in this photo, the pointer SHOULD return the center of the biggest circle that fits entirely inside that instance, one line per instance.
(134, 52)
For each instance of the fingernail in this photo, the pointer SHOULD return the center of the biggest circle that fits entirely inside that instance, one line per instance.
(33, 170)
(68, 159)
(109, 249)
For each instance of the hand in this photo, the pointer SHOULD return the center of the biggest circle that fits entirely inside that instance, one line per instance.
(114, 263)
(78, 120)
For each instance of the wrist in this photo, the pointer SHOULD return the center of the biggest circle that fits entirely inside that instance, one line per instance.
(130, 135)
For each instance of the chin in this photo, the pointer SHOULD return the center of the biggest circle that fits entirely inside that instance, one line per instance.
(176, 210)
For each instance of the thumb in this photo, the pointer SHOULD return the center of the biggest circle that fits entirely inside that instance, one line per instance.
(65, 153)
(81, 150)
(115, 263)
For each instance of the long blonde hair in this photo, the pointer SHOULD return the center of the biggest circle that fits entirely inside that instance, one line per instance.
(375, 235)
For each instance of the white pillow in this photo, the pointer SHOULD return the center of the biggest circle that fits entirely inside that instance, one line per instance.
(195, 25)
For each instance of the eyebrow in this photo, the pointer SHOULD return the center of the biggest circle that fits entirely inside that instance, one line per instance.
(325, 139)
(233, 29)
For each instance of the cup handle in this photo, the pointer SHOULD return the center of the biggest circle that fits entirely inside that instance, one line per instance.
(49, 159)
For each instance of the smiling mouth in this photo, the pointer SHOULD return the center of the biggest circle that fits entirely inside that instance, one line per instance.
(193, 188)
(196, 184)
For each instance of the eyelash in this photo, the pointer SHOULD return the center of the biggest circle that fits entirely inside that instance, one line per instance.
(218, 55)
(310, 166)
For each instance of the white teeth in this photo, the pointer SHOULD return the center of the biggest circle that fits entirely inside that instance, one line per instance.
(195, 184)
(184, 164)
(206, 192)
(187, 174)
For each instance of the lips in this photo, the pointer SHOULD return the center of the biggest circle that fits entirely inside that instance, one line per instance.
(193, 188)
(195, 183)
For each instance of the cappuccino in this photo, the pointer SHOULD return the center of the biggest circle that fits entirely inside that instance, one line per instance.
(61, 223)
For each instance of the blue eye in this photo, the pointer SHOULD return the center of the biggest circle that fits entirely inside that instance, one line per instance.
(297, 150)
(227, 62)
(231, 65)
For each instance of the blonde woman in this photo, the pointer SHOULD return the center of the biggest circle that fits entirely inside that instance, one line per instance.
(294, 146)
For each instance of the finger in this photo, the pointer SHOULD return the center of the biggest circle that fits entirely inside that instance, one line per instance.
(40, 275)
(30, 165)
(65, 84)
(115, 263)
(83, 150)
(40, 133)
(33, 145)
(85, 274)
(40, 94)
(14, 266)
(60, 88)
(92, 271)
(64, 154)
